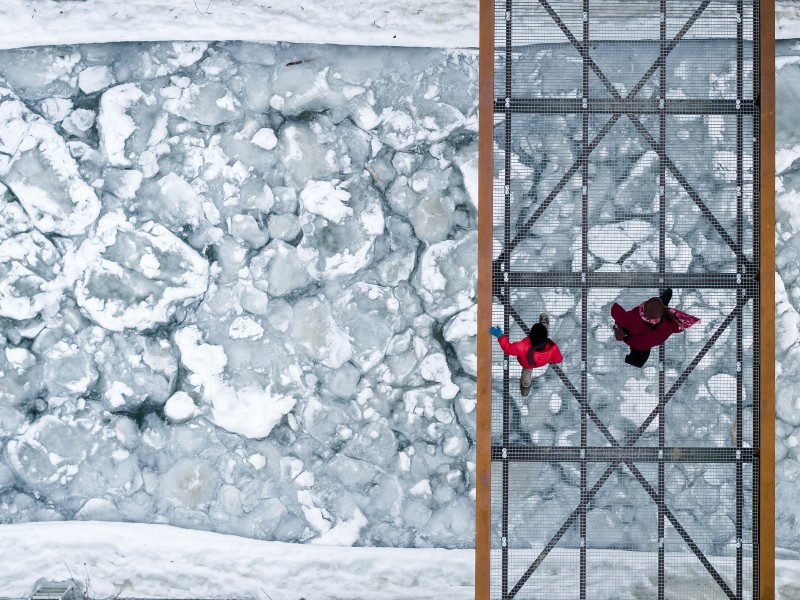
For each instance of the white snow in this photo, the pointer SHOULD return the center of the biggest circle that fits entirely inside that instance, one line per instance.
(326, 200)
(94, 79)
(249, 410)
(159, 561)
(180, 407)
(447, 23)
(265, 138)
(152, 561)
(114, 124)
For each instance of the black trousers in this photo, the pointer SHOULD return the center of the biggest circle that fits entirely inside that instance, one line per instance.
(637, 358)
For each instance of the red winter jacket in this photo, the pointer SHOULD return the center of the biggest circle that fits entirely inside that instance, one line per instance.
(643, 336)
(550, 354)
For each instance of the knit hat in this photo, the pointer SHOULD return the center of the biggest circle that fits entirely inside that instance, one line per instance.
(538, 335)
(652, 310)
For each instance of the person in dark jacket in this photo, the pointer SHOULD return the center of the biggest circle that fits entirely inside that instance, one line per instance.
(648, 325)
(532, 352)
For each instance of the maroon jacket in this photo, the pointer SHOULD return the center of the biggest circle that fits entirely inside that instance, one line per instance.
(642, 335)
(550, 354)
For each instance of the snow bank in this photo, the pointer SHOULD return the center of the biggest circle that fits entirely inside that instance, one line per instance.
(158, 561)
(446, 23)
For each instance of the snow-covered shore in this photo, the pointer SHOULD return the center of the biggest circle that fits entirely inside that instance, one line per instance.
(159, 561)
(444, 24)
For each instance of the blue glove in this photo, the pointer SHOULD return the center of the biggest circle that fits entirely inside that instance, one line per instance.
(495, 331)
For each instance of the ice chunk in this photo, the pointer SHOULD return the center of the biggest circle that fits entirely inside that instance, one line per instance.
(364, 115)
(176, 203)
(324, 199)
(334, 249)
(434, 368)
(344, 533)
(120, 107)
(245, 328)
(20, 383)
(123, 183)
(46, 452)
(466, 159)
(20, 357)
(68, 369)
(284, 226)
(432, 217)
(611, 242)
(208, 103)
(318, 335)
(257, 80)
(190, 482)
(342, 382)
(303, 156)
(256, 194)
(94, 79)
(98, 509)
(370, 315)
(129, 277)
(253, 300)
(461, 332)
(135, 369)
(206, 359)
(37, 166)
(278, 270)
(55, 109)
(28, 264)
(447, 275)
(302, 87)
(180, 407)
(249, 410)
(265, 138)
(246, 228)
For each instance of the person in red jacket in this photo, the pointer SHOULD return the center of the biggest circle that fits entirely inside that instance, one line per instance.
(648, 325)
(532, 352)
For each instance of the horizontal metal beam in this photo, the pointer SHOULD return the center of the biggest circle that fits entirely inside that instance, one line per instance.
(523, 279)
(613, 454)
(673, 106)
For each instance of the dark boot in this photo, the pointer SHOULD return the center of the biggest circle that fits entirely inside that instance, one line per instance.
(637, 358)
(666, 296)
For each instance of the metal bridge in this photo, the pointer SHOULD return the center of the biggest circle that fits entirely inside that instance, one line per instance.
(621, 154)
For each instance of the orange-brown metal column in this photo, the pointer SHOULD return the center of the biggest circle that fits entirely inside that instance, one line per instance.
(766, 424)
(484, 416)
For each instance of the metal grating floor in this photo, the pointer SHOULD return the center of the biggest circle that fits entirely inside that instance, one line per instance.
(626, 162)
